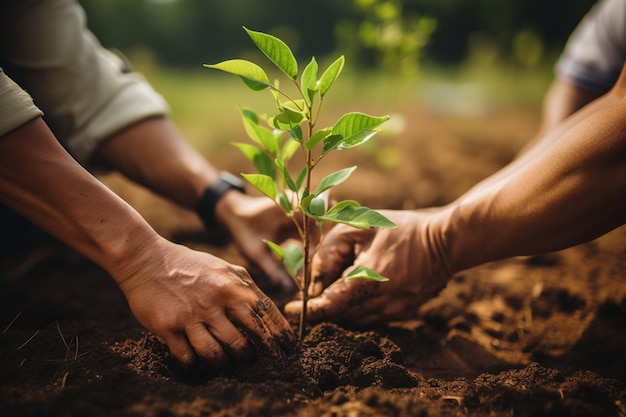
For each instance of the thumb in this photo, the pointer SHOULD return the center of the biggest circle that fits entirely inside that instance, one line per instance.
(325, 307)
(338, 252)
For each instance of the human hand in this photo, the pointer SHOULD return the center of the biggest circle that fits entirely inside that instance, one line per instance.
(251, 219)
(411, 256)
(202, 306)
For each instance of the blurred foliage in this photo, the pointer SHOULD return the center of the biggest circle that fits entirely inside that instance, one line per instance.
(386, 36)
(393, 34)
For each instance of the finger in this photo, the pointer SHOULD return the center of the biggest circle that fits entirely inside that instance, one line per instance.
(385, 307)
(253, 325)
(265, 308)
(329, 262)
(275, 322)
(206, 346)
(180, 349)
(331, 305)
(369, 313)
(343, 301)
(339, 250)
(234, 343)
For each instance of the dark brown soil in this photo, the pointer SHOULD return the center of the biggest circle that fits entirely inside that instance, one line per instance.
(531, 336)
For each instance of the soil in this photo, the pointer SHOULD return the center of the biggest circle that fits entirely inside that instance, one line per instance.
(528, 336)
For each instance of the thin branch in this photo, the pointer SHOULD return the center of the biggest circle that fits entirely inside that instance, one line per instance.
(76, 350)
(11, 323)
(281, 92)
(64, 379)
(29, 339)
(62, 337)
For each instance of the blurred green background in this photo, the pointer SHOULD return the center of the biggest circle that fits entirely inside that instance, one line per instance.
(184, 33)
(462, 56)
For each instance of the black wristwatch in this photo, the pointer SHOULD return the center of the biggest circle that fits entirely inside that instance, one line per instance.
(206, 206)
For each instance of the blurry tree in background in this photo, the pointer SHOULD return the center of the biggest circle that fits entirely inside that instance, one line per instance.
(385, 36)
(394, 34)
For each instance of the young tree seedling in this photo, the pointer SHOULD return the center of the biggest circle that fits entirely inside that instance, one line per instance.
(292, 128)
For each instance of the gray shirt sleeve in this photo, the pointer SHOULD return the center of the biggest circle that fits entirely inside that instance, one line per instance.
(596, 51)
(86, 92)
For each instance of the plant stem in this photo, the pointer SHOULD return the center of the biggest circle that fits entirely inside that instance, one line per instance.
(306, 243)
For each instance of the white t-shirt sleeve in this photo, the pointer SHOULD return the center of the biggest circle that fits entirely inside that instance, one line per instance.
(596, 51)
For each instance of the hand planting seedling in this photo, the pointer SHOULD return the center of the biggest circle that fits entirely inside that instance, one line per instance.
(292, 128)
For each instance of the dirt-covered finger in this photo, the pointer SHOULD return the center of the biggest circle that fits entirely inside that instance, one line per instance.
(251, 323)
(345, 301)
(276, 322)
(330, 305)
(206, 346)
(330, 261)
(233, 341)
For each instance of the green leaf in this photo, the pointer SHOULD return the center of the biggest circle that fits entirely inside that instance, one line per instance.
(275, 248)
(296, 133)
(357, 139)
(290, 255)
(330, 75)
(293, 258)
(363, 272)
(305, 202)
(333, 179)
(356, 128)
(277, 51)
(285, 203)
(309, 80)
(289, 148)
(289, 117)
(289, 120)
(318, 136)
(261, 161)
(358, 217)
(250, 73)
(331, 142)
(301, 177)
(285, 173)
(264, 183)
(345, 203)
(258, 133)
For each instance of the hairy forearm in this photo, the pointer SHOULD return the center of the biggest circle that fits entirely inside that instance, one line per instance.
(568, 193)
(42, 182)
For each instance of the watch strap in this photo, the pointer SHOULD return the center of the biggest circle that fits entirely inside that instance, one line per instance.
(212, 194)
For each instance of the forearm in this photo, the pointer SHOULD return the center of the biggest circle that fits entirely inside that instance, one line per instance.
(41, 181)
(154, 154)
(569, 193)
(561, 111)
